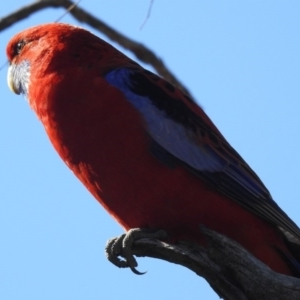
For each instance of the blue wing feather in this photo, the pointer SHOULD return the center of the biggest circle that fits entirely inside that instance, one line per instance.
(172, 136)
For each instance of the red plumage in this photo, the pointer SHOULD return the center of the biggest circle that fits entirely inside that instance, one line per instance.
(106, 142)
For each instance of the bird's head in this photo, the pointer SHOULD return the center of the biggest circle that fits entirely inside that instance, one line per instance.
(31, 51)
(55, 49)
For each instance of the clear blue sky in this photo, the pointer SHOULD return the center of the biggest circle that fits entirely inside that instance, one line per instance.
(240, 60)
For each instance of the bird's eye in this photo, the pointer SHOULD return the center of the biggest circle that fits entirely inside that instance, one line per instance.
(19, 46)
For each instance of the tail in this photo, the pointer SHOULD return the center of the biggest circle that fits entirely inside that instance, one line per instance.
(292, 258)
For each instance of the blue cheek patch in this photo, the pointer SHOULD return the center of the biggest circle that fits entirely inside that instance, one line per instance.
(20, 74)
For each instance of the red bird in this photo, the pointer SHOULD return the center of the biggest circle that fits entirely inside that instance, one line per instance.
(142, 147)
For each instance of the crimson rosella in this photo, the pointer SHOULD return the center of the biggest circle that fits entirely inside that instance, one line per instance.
(144, 149)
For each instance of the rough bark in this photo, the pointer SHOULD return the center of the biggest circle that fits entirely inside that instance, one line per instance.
(232, 272)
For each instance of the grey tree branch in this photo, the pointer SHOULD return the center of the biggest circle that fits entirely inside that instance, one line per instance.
(142, 53)
(232, 272)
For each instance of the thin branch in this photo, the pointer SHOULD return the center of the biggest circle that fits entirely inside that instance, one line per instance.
(143, 53)
(68, 10)
(148, 14)
(23, 13)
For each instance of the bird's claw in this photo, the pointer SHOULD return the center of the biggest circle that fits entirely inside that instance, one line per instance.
(121, 247)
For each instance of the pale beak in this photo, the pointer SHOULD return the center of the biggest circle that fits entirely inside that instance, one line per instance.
(10, 80)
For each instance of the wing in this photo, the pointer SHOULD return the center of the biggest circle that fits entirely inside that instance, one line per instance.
(182, 133)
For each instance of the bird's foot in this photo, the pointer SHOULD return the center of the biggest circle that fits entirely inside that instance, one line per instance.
(121, 247)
